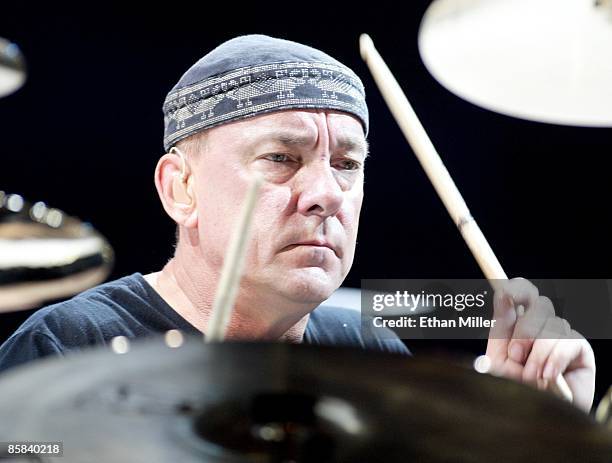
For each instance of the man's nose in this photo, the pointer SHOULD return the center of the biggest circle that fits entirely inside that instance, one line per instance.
(320, 193)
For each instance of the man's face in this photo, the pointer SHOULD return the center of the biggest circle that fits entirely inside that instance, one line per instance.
(305, 223)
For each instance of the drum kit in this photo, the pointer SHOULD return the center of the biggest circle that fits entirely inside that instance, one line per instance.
(45, 254)
(177, 399)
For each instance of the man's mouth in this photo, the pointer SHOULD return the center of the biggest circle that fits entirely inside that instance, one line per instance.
(314, 243)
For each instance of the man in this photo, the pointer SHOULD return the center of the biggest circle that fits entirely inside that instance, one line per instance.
(297, 118)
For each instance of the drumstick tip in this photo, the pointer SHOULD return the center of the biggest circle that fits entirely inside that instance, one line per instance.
(365, 44)
(562, 389)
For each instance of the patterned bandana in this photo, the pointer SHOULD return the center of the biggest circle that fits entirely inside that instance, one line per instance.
(257, 74)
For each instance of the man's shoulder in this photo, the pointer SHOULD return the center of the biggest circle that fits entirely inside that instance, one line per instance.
(96, 306)
(88, 319)
(330, 325)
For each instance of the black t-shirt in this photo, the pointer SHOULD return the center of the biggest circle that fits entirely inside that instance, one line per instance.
(130, 307)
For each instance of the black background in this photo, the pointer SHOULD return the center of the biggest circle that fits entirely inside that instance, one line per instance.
(85, 133)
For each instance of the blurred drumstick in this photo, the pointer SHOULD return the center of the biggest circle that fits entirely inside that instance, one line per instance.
(232, 268)
(439, 176)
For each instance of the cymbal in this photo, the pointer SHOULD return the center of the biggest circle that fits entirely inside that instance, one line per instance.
(540, 60)
(46, 254)
(259, 402)
(12, 68)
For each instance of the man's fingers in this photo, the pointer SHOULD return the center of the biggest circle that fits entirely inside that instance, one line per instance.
(508, 369)
(512, 293)
(505, 316)
(536, 346)
(554, 330)
(521, 291)
(580, 373)
(534, 367)
(529, 327)
(567, 354)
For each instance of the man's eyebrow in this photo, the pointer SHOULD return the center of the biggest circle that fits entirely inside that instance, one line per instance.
(346, 143)
(284, 137)
(291, 139)
(353, 144)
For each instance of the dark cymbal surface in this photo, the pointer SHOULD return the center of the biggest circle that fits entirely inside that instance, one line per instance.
(251, 402)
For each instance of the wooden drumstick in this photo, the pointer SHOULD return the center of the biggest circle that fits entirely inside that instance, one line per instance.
(438, 175)
(232, 268)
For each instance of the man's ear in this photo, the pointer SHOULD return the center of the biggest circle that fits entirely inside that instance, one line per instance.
(175, 186)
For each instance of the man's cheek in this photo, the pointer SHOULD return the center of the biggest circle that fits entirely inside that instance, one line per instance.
(262, 245)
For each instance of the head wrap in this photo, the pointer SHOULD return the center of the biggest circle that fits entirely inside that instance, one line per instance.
(257, 74)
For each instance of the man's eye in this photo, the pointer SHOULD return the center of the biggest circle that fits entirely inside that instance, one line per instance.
(349, 164)
(277, 157)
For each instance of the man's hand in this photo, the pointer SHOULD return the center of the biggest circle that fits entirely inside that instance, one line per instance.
(536, 346)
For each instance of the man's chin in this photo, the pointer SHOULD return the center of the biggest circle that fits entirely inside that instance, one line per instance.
(309, 285)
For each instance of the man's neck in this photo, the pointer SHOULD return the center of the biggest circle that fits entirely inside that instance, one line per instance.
(191, 296)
